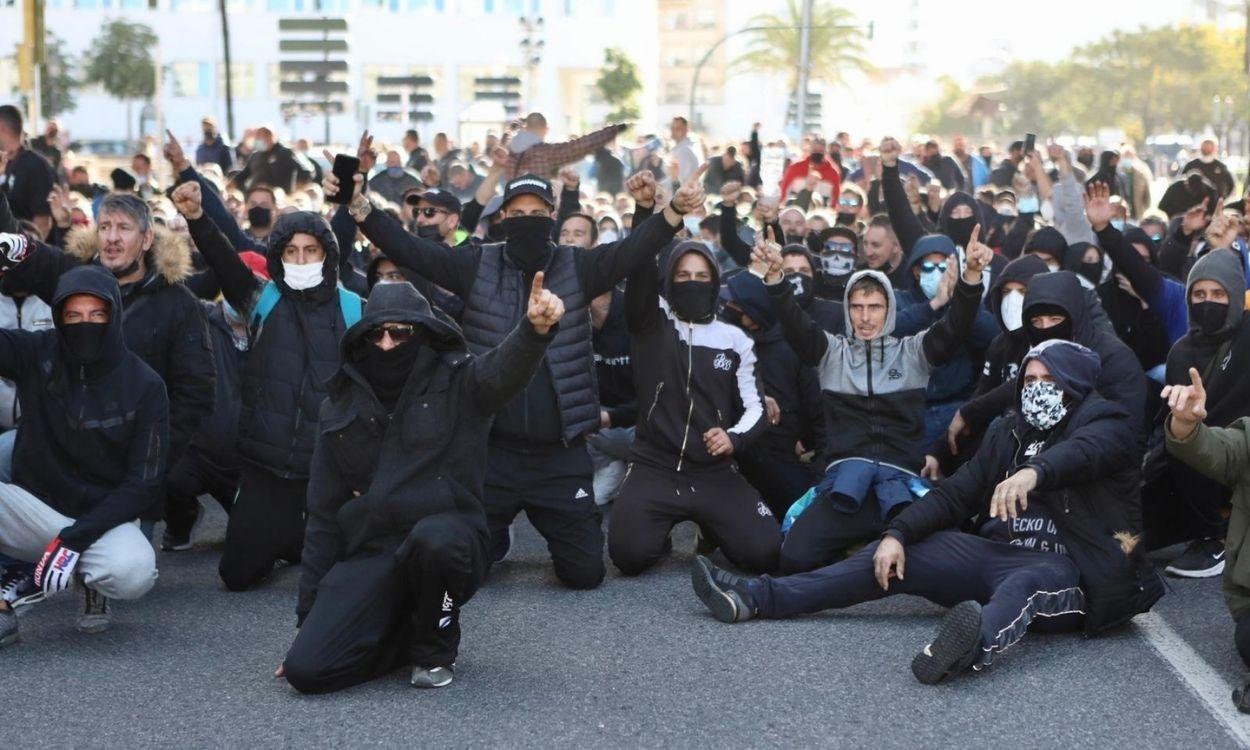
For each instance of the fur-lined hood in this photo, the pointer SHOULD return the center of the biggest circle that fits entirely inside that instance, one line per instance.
(170, 254)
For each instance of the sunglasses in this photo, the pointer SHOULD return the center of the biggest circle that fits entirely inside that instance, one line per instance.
(430, 212)
(840, 247)
(929, 267)
(400, 333)
(848, 203)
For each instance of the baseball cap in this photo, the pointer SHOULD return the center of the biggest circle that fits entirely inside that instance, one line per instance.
(530, 184)
(442, 199)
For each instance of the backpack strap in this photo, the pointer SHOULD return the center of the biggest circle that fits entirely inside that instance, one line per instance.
(269, 297)
(351, 306)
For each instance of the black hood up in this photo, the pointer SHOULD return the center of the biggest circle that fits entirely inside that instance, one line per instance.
(1020, 270)
(1047, 240)
(401, 303)
(1061, 289)
(98, 282)
(287, 226)
(1074, 256)
(960, 198)
(670, 264)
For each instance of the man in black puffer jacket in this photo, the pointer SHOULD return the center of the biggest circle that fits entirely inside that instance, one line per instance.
(91, 448)
(296, 321)
(397, 535)
(1059, 477)
(538, 458)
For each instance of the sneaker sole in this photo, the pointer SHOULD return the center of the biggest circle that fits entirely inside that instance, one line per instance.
(958, 634)
(1210, 572)
(93, 627)
(720, 604)
(424, 684)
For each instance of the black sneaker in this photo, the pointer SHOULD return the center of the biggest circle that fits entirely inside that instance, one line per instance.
(956, 647)
(1203, 558)
(724, 593)
(16, 583)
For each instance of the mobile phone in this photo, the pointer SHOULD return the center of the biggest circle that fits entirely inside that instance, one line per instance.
(345, 169)
(1030, 140)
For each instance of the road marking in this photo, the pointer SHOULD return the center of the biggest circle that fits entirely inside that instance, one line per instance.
(1203, 681)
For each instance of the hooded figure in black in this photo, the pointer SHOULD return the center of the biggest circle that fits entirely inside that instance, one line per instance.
(296, 322)
(92, 445)
(397, 537)
(1108, 164)
(700, 404)
(1136, 323)
(1071, 554)
(772, 463)
(1183, 504)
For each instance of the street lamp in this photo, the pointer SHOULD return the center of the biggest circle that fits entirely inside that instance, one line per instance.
(532, 46)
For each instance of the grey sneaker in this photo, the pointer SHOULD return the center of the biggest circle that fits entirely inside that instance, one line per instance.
(722, 592)
(434, 677)
(95, 612)
(8, 627)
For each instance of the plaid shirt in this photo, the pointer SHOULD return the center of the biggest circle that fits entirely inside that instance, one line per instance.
(545, 159)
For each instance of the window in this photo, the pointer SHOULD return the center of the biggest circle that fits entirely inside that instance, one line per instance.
(242, 79)
(278, 6)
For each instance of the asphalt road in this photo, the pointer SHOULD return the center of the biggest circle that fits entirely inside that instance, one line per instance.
(637, 663)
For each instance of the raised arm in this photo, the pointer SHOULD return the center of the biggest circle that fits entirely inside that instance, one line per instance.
(808, 340)
(210, 202)
(547, 157)
(739, 250)
(238, 285)
(1145, 278)
(903, 220)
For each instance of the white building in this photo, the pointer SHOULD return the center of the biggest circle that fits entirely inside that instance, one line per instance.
(454, 42)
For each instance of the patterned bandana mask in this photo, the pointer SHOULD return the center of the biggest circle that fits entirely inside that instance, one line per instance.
(1041, 403)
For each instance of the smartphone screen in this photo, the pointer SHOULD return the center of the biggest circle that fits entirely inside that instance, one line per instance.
(345, 168)
(1030, 141)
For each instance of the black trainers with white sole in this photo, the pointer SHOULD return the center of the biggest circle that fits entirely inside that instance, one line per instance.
(954, 649)
(432, 677)
(1203, 558)
(724, 594)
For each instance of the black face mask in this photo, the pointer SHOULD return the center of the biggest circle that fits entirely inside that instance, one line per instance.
(1091, 271)
(846, 219)
(794, 239)
(1209, 317)
(528, 238)
(692, 301)
(209, 135)
(960, 230)
(259, 217)
(1036, 336)
(430, 232)
(804, 288)
(817, 158)
(387, 370)
(85, 341)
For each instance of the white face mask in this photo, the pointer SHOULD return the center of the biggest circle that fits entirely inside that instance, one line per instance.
(301, 276)
(608, 235)
(1012, 310)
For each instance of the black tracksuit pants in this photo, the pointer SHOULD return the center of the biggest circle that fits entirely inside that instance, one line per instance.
(266, 525)
(652, 500)
(1014, 586)
(555, 486)
(821, 535)
(378, 612)
(1180, 505)
(191, 477)
(779, 476)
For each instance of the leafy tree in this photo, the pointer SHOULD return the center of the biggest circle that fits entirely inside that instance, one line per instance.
(837, 44)
(619, 84)
(56, 78)
(120, 61)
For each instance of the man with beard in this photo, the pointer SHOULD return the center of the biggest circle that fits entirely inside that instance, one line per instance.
(91, 449)
(538, 460)
(397, 536)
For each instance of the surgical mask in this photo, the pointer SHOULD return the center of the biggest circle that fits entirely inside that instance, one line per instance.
(692, 301)
(692, 225)
(1053, 266)
(259, 217)
(85, 341)
(608, 235)
(259, 145)
(803, 288)
(837, 264)
(1118, 224)
(1041, 404)
(302, 276)
(1012, 310)
(1209, 317)
(395, 172)
(430, 232)
(930, 282)
(528, 237)
(1028, 204)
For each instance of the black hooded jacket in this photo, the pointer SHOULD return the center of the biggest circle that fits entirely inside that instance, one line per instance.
(689, 377)
(93, 441)
(293, 352)
(374, 474)
(1088, 471)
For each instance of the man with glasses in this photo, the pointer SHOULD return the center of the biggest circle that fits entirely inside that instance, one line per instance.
(435, 215)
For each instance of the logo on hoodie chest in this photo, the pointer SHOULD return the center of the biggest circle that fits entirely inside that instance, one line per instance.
(722, 362)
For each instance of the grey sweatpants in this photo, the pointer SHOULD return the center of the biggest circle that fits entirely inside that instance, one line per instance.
(120, 565)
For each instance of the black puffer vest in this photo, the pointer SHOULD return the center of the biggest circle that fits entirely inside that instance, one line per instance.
(497, 302)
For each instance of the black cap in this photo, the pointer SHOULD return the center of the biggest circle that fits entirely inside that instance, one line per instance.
(123, 179)
(442, 199)
(529, 184)
(841, 231)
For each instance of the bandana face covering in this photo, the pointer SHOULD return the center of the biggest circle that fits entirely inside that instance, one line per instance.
(1041, 404)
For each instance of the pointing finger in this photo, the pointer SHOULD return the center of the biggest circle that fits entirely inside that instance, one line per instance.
(1196, 378)
(698, 173)
(976, 236)
(536, 288)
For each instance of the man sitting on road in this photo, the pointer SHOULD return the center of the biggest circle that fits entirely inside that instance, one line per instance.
(1060, 540)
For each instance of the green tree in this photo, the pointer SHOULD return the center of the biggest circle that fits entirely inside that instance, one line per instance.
(56, 79)
(619, 84)
(120, 60)
(837, 44)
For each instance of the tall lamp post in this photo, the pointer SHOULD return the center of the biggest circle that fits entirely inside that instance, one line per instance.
(532, 45)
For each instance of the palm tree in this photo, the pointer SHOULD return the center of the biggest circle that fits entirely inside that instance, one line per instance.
(837, 44)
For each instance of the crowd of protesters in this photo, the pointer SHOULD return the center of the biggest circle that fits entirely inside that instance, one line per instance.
(1005, 380)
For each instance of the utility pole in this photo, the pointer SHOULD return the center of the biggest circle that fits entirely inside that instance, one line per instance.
(225, 44)
(805, 64)
(31, 57)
